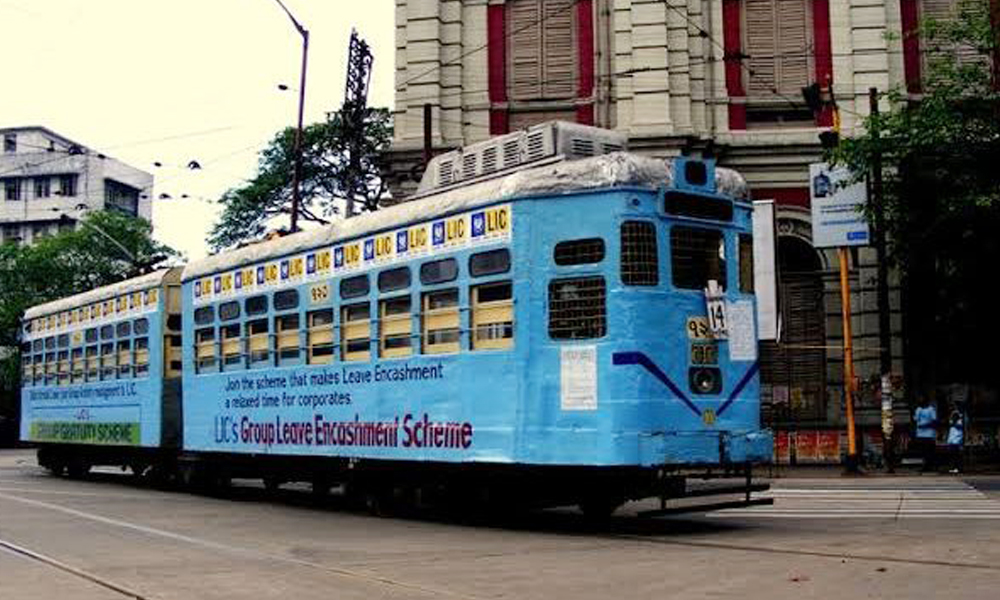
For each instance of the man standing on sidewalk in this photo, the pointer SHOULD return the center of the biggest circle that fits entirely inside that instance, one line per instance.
(926, 419)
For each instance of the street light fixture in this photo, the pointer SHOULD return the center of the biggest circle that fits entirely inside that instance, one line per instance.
(297, 171)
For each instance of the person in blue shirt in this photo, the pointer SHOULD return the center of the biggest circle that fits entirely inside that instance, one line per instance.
(926, 434)
(956, 438)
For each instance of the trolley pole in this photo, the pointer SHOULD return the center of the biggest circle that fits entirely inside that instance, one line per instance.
(845, 310)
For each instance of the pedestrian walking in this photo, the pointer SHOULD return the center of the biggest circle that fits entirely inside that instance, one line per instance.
(926, 419)
(956, 440)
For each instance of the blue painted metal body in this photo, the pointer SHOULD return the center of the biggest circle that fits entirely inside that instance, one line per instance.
(506, 404)
(106, 411)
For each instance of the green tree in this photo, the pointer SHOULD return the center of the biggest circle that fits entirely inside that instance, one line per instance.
(940, 156)
(949, 139)
(105, 248)
(327, 178)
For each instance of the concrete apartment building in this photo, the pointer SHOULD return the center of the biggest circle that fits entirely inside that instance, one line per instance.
(48, 182)
(718, 76)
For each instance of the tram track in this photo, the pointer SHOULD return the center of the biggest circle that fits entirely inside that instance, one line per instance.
(360, 576)
(44, 559)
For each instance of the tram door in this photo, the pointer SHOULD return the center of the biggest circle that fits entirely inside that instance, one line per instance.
(795, 369)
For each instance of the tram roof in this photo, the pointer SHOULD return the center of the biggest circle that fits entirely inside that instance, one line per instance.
(143, 282)
(618, 169)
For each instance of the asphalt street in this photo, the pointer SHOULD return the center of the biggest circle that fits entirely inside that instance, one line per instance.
(875, 537)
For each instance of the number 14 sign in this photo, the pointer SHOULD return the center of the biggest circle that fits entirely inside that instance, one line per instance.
(716, 307)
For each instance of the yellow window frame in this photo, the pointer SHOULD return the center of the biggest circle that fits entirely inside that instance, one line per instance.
(319, 334)
(440, 319)
(489, 316)
(395, 325)
(354, 330)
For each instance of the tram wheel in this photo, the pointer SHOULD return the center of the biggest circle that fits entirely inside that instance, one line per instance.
(77, 469)
(598, 508)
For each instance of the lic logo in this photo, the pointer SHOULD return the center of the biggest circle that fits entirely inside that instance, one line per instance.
(478, 224)
(437, 234)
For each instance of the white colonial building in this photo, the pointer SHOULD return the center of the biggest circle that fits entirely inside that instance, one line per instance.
(723, 77)
(48, 182)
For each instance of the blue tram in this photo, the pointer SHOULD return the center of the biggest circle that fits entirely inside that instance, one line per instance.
(562, 331)
(101, 375)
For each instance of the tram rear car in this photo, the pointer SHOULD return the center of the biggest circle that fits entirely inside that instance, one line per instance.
(101, 376)
(543, 336)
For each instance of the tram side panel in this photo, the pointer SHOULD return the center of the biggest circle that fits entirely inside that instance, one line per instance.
(104, 398)
(454, 400)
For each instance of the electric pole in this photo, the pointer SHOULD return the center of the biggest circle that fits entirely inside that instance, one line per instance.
(353, 114)
(884, 322)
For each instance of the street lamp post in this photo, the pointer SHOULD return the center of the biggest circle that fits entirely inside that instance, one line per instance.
(297, 171)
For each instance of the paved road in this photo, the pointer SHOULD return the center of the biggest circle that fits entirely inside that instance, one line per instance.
(108, 539)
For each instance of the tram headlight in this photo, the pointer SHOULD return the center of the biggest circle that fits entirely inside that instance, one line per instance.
(705, 380)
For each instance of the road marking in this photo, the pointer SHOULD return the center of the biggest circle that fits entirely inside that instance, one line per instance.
(152, 531)
(910, 500)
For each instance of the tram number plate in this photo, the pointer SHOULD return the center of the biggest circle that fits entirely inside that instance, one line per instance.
(697, 328)
(717, 317)
(319, 293)
(704, 354)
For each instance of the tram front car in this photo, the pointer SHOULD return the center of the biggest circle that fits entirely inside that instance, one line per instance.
(650, 344)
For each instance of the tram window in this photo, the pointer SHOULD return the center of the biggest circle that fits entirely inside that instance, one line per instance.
(492, 316)
(108, 332)
(125, 358)
(205, 347)
(92, 363)
(319, 337)
(355, 331)
(124, 329)
(640, 265)
(441, 322)
(746, 264)
(37, 368)
(63, 371)
(493, 262)
(141, 356)
(439, 271)
(108, 362)
(579, 252)
(394, 279)
(697, 256)
(173, 355)
(90, 336)
(286, 300)
(259, 340)
(256, 305)
(395, 327)
(50, 367)
(287, 330)
(50, 343)
(25, 370)
(229, 311)
(577, 308)
(37, 345)
(173, 323)
(141, 326)
(230, 335)
(63, 340)
(76, 365)
(354, 287)
(204, 315)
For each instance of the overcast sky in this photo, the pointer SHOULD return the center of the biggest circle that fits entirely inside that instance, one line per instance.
(171, 81)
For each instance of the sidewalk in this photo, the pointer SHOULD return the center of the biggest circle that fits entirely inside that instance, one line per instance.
(837, 471)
